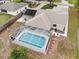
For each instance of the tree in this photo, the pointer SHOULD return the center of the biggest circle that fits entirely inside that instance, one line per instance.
(51, 1)
(19, 53)
(77, 4)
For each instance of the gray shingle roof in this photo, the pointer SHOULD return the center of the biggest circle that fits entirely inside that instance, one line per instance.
(11, 6)
(47, 19)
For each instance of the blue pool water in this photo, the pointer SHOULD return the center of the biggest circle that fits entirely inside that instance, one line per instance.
(33, 39)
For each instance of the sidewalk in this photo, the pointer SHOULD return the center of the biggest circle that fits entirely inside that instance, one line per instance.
(78, 38)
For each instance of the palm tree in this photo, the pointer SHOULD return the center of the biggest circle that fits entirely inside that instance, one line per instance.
(77, 4)
(51, 1)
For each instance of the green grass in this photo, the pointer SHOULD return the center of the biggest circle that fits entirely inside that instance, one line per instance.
(69, 47)
(48, 6)
(4, 18)
(58, 1)
(1, 44)
(18, 1)
(73, 27)
(20, 53)
(33, 5)
(72, 1)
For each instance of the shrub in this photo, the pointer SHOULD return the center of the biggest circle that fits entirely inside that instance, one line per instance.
(19, 53)
(48, 6)
(33, 5)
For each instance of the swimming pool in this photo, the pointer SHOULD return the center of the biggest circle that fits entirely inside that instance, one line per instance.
(32, 39)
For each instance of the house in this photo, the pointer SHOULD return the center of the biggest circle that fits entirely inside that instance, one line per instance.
(37, 32)
(13, 8)
(51, 20)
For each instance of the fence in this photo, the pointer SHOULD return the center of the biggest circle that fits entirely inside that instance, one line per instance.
(10, 22)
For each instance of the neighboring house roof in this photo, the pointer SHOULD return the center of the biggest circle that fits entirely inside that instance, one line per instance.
(11, 6)
(47, 19)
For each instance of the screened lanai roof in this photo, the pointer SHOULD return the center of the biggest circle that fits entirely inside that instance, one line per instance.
(31, 29)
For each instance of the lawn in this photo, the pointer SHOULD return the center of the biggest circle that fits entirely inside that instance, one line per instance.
(18, 1)
(48, 6)
(1, 44)
(72, 1)
(73, 24)
(73, 27)
(58, 1)
(4, 18)
(68, 47)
